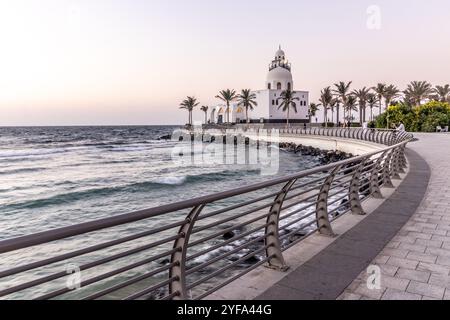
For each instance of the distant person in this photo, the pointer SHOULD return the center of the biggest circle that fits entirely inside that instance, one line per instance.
(401, 127)
(365, 125)
(304, 126)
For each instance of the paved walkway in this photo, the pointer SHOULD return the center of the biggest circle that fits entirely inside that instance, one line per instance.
(416, 263)
(333, 269)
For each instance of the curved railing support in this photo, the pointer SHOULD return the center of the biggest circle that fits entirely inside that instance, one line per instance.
(322, 216)
(355, 185)
(272, 240)
(178, 258)
(396, 165)
(387, 182)
(403, 162)
(374, 176)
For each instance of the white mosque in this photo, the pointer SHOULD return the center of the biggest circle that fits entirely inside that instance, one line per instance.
(278, 80)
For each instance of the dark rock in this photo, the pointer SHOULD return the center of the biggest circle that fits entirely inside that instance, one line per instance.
(228, 235)
(251, 260)
(166, 137)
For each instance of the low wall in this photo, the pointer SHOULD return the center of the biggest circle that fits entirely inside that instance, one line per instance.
(355, 147)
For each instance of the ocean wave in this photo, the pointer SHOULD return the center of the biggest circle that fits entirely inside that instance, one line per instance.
(8, 154)
(21, 170)
(102, 192)
(171, 180)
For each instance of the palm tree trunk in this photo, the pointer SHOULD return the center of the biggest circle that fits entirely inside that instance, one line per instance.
(287, 119)
(361, 115)
(337, 115)
(206, 117)
(246, 114)
(326, 116)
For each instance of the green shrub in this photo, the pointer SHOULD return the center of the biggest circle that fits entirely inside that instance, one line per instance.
(434, 120)
(423, 118)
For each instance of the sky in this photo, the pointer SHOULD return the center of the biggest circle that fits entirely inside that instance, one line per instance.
(118, 62)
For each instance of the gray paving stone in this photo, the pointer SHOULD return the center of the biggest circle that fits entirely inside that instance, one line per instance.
(402, 263)
(392, 294)
(412, 247)
(426, 290)
(429, 243)
(440, 280)
(394, 283)
(416, 275)
(433, 268)
(422, 257)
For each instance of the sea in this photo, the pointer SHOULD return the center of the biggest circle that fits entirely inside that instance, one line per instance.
(52, 177)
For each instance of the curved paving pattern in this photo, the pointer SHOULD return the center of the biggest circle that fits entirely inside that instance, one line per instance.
(416, 263)
(329, 273)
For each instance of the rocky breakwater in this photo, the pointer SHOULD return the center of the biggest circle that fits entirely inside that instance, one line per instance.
(325, 156)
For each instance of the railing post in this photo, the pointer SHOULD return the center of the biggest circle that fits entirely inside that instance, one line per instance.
(179, 257)
(401, 167)
(396, 164)
(374, 178)
(272, 239)
(322, 216)
(355, 185)
(387, 182)
(403, 162)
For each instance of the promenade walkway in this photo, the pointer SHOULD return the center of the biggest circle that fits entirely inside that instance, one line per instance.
(416, 263)
(407, 237)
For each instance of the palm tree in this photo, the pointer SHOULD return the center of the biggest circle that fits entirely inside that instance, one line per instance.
(189, 104)
(326, 100)
(288, 99)
(341, 91)
(334, 104)
(372, 100)
(362, 95)
(247, 100)
(380, 90)
(312, 111)
(442, 93)
(417, 91)
(205, 110)
(227, 96)
(390, 93)
(350, 106)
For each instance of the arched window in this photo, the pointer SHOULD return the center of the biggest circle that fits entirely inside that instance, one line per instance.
(269, 86)
(279, 86)
(289, 86)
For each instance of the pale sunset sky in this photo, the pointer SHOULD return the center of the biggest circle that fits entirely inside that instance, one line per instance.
(119, 62)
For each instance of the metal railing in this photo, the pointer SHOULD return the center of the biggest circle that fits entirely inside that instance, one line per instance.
(385, 137)
(190, 249)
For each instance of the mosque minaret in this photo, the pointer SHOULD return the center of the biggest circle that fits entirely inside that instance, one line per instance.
(279, 78)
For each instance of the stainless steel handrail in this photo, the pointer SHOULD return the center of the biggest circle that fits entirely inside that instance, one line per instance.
(204, 243)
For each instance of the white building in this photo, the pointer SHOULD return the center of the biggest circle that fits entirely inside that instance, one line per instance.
(268, 110)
